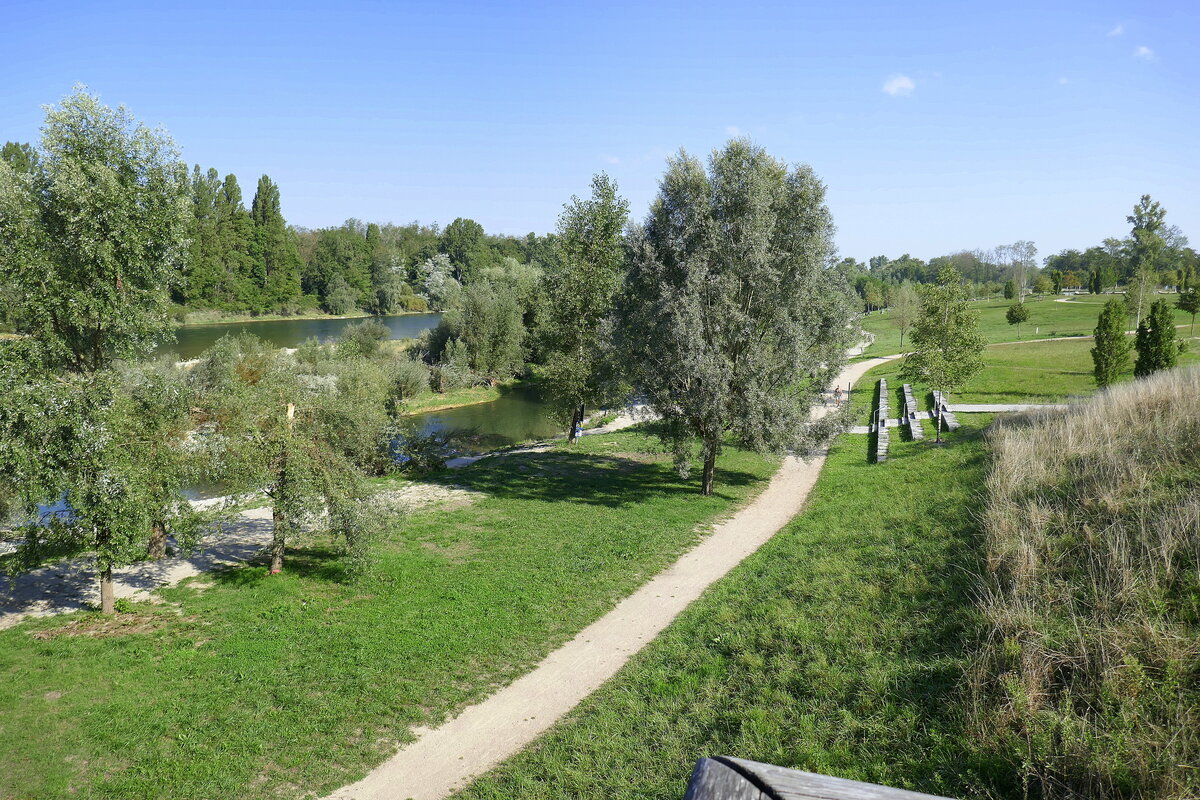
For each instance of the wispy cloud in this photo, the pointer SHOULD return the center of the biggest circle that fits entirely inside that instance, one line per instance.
(1144, 53)
(733, 130)
(1117, 31)
(899, 85)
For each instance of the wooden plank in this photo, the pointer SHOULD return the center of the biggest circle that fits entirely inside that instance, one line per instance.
(780, 783)
(714, 780)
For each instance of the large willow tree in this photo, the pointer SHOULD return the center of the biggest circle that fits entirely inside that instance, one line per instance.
(733, 317)
(92, 237)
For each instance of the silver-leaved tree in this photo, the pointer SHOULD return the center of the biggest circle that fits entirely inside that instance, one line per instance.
(733, 318)
(92, 236)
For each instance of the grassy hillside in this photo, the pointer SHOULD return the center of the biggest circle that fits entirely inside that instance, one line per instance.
(1047, 319)
(1090, 673)
(838, 647)
(244, 685)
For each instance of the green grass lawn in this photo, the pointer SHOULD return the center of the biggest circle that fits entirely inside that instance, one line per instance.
(838, 648)
(1047, 319)
(1032, 372)
(243, 685)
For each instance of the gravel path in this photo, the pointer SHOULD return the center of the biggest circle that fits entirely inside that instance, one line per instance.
(445, 758)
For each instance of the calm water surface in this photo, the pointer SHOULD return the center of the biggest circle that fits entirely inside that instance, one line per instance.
(192, 340)
(517, 416)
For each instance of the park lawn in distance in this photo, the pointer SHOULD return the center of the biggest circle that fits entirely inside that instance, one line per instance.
(1047, 319)
(1028, 372)
(838, 648)
(243, 686)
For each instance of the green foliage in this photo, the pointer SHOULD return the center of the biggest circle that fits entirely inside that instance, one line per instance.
(482, 332)
(1016, 314)
(362, 339)
(340, 298)
(463, 243)
(1110, 355)
(94, 238)
(1010, 289)
(574, 325)
(1156, 344)
(733, 317)
(946, 342)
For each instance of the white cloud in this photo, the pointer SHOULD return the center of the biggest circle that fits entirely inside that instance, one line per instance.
(1117, 31)
(733, 130)
(1063, 81)
(612, 159)
(899, 85)
(1144, 53)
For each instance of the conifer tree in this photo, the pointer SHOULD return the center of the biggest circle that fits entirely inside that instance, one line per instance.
(1110, 355)
(276, 258)
(1157, 348)
(235, 232)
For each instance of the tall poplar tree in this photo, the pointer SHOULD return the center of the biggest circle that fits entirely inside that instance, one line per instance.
(580, 287)
(235, 234)
(734, 317)
(276, 257)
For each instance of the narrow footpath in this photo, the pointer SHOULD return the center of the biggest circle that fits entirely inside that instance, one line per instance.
(444, 759)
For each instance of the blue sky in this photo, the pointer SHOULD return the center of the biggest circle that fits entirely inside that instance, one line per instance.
(937, 126)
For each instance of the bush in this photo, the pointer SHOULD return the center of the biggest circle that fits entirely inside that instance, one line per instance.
(363, 339)
(409, 379)
(1088, 678)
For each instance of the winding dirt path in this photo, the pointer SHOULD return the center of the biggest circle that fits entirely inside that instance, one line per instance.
(445, 758)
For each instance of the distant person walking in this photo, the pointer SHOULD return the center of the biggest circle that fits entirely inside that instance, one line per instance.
(837, 396)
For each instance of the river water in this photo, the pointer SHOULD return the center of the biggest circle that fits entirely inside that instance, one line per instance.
(192, 340)
(515, 417)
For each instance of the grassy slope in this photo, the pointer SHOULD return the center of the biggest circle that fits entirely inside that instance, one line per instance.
(278, 686)
(836, 648)
(1047, 319)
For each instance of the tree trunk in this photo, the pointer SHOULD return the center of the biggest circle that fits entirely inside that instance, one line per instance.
(158, 540)
(277, 540)
(710, 468)
(107, 604)
(938, 438)
(576, 421)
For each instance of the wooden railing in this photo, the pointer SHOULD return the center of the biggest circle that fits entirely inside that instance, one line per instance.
(726, 778)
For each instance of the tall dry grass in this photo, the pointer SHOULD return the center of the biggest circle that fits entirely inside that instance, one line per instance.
(1090, 675)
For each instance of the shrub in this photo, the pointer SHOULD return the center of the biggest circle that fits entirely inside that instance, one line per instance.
(363, 339)
(1088, 678)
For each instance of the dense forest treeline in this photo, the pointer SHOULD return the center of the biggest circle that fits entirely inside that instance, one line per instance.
(249, 260)
(252, 261)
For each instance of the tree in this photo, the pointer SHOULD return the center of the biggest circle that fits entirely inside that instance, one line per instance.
(21, 156)
(1110, 355)
(275, 253)
(578, 302)
(1138, 291)
(293, 436)
(1044, 283)
(1057, 278)
(93, 239)
(905, 305)
(1010, 289)
(734, 317)
(1189, 303)
(436, 277)
(947, 346)
(463, 242)
(1016, 314)
(1157, 348)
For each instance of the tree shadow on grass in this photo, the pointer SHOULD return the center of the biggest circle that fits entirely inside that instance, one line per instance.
(317, 562)
(564, 476)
